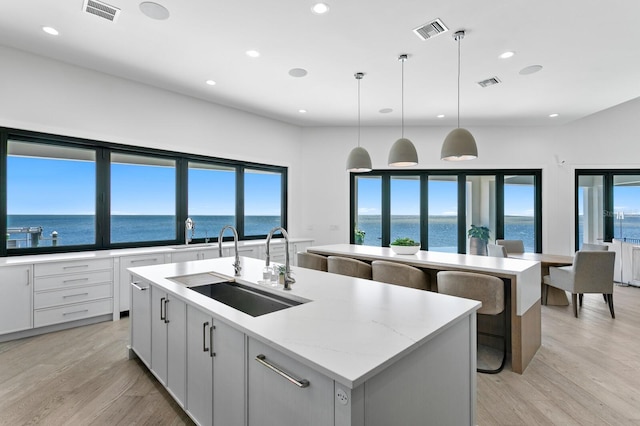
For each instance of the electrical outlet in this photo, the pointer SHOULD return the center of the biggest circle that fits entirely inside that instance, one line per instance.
(342, 397)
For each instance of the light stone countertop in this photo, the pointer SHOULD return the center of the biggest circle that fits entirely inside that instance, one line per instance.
(350, 329)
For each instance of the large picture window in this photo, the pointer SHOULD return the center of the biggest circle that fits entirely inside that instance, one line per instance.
(262, 201)
(437, 208)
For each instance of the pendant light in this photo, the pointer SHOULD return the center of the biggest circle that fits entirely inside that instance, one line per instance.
(459, 145)
(359, 159)
(403, 153)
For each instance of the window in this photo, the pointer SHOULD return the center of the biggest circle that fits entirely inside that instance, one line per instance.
(143, 198)
(51, 195)
(626, 207)
(262, 201)
(368, 216)
(212, 198)
(438, 208)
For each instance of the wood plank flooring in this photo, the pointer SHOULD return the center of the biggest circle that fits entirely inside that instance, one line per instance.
(587, 372)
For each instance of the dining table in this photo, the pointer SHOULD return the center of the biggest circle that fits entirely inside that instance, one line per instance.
(555, 296)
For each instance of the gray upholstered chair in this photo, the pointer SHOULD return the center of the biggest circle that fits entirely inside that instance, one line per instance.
(399, 274)
(512, 246)
(350, 267)
(591, 272)
(495, 250)
(594, 247)
(485, 288)
(311, 261)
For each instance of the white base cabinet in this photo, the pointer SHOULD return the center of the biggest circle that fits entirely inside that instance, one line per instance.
(168, 342)
(125, 276)
(16, 312)
(140, 320)
(215, 371)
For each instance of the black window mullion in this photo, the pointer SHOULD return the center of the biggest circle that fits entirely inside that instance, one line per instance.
(424, 211)
(3, 189)
(353, 217)
(386, 210)
(103, 198)
(608, 207)
(182, 198)
(284, 216)
(462, 213)
(537, 227)
(240, 201)
(499, 233)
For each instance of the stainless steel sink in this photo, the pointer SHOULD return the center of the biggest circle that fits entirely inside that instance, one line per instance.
(247, 299)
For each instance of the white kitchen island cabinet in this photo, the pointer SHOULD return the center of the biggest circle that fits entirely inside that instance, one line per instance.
(140, 323)
(350, 352)
(16, 302)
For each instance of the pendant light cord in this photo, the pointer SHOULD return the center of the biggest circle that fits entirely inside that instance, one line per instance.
(359, 78)
(402, 59)
(459, 37)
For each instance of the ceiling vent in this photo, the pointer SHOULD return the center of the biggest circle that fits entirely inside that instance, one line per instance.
(430, 29)
(489, 82)
(100, 9)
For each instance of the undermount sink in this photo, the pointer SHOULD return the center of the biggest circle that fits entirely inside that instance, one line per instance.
(247, 299)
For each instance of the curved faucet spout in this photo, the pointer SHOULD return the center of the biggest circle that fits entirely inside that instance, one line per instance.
(236, 264)
(288, 279)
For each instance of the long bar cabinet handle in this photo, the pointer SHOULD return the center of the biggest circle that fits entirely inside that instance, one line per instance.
(166, 311)
(204, 337)
(163, 316)
(300, 383)
(211, 352)
(135, 284)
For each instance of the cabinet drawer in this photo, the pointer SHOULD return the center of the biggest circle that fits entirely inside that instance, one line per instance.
(133, 261)
(43, 269)
(42, 317)
(71, 295)
(72, 280)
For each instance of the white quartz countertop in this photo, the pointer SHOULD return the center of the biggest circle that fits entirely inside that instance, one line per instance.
(430, 259)
(349, 329)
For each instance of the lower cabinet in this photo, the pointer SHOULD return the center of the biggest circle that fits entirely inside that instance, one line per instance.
(215, 371)
(305, 397)
(141, 320)
(168, 342)
(16, 311)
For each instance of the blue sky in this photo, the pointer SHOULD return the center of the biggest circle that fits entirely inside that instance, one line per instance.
(48, 186)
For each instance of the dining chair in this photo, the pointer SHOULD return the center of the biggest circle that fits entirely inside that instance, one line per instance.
(485, 288)
(399, 274)
(512, 246)
(347, 266)
(591, 272)
(495, 250)
(311, 261)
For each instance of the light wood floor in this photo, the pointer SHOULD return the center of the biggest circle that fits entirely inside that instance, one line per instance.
(587, 372)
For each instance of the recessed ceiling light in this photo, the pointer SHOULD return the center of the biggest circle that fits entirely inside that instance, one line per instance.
(440, 116)
(320, 8)
(211, 82)
(50, 30)
(253, 53)
(507, 55)
(554, 115)
(385, 110)
(154, 10)
(297, 72)
(302, 111)
(530, 69)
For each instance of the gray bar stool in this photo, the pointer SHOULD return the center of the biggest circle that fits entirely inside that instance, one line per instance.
(399, 274)
(350, 267)
(311, 261)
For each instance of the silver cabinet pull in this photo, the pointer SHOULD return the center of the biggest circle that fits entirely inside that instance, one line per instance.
(155, 259)
(211, 352)
(135, 285)
(300, 383)
(28, 277)
(75, 295)
(76, 312)
(75, 266)
(204, 337)
(166, 311)
(77, 280)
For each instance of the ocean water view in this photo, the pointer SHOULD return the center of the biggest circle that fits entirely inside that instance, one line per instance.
(80, 229)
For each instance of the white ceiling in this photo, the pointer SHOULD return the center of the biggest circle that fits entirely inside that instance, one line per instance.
(590, 51)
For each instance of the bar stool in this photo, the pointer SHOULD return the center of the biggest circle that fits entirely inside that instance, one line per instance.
(399, 274)
(350, 267)
(311, 261)
(485, 288)
(512, 246)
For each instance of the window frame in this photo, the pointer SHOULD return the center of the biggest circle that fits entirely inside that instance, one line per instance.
(103, 151)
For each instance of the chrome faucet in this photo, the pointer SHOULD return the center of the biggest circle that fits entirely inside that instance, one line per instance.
(288, 279)
(236, 264)
(189, 225)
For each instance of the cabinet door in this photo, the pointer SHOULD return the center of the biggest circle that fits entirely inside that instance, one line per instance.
(158, 334)
(228, 375)
(276, 401)
(125, 276)
(176, 317)
(184, 255)
(141, 320)
(210, 253)
(199, 366)
(16, 310)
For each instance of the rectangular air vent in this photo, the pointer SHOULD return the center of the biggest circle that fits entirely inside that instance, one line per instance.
(100, 9)
(430, 29)
(489, 82)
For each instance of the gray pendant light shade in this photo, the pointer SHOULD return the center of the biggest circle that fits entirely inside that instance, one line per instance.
(459, 145)
(403, 153)
(359, 160)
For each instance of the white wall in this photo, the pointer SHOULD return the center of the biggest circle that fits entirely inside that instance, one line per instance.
(43, 95)
(605, 140)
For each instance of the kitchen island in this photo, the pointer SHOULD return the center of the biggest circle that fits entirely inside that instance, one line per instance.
(353, 352)
(522, 287)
